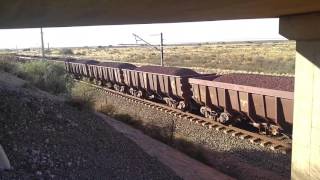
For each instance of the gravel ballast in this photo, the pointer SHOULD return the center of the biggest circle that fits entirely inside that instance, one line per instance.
(237, 158)
(45, 138)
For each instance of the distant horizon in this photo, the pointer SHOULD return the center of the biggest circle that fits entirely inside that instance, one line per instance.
(174, 33)
(177, 44)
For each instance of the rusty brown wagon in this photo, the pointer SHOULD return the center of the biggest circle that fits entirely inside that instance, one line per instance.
(67, 65)
(80, 68)
(110, 74)
(270, 110)
(165, 83)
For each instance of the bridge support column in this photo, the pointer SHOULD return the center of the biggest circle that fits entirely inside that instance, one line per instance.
(305, 29)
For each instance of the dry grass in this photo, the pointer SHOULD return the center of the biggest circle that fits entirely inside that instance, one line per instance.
(259, 57)
(82, 97)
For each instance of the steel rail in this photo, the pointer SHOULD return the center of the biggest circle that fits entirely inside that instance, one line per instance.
(254, 138)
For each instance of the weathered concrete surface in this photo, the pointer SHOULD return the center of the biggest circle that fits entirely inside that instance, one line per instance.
(306, 127)
(36, 13)
(298, 27)
(182, 165)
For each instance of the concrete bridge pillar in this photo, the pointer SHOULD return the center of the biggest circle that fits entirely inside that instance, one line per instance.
(305, 29)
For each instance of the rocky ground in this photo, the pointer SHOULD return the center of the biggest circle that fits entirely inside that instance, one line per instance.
(45, 138)
(235, 157)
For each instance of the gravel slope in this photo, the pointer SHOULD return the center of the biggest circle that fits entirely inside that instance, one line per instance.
(235, 157)
(44, 138)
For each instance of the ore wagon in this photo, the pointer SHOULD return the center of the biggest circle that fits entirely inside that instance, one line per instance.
(266, 102)
(79, 68)
(67, 65)
(110, 74)
(166, 83)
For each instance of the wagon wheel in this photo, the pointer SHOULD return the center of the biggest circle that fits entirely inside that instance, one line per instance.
(274, 130)
(224, 117)
(116, 87)
(100, 83)
(122, 89)
(182, 106)
(203, 111)
(132, 92)
(139, 94)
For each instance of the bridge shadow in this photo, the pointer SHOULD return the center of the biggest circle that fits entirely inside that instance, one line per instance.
(238, 163)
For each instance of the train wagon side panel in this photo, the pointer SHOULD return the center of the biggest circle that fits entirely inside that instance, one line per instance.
(127, 80)
(112, 75)
(93, 71)
(163, 85)
(258, 104)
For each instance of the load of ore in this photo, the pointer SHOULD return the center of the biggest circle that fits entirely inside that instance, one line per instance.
(262, 81)
(117, 65)
(89, 61)
(70, 59)
(83, 61)
(167, 70)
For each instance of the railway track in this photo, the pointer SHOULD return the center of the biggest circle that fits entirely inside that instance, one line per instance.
(277, 144)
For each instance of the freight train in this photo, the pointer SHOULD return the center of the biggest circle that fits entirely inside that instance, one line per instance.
(263, 102)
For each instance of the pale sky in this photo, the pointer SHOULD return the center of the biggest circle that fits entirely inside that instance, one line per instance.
(209, 31)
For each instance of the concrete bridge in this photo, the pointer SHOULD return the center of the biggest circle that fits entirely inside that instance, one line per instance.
(299, 20)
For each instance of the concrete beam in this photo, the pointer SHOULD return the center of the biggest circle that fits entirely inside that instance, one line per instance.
(306, 125)
(301, 27)
(52, 13)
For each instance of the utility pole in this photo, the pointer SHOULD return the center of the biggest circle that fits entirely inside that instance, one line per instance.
(42, 44)
(138, 38)
(161, 48)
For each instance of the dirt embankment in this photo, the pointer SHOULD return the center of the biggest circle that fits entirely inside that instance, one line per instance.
(45, 138)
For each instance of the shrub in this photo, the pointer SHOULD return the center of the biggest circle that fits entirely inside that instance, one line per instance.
(107, 109)
(47, 76)
(82, 96)
(9, 67)
(66, 51)
(80, 102)
(126, 118)
(191, 149)
(81, 53)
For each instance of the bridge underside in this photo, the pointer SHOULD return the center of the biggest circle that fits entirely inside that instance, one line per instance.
(299, 20)
(37, 13)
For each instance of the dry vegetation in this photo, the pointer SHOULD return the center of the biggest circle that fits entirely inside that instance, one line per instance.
(259, 57)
